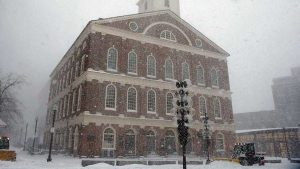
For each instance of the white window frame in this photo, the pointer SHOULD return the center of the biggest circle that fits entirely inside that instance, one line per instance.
(220, 108)
(188, 69)
(167, 78)
(205, 104)
(135, 99)
(165, 33)
(151, 112)
(203, 74)
(151, 76)
(223, 142)
(107, 59)
(169, 113)
(217, 78)
(198, 43)
(114, 135)
(79, 98)
(115, 104)
(128, 69)
(82, 65)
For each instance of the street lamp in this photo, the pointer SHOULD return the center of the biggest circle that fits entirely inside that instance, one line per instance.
(183, 111)
(52, 132)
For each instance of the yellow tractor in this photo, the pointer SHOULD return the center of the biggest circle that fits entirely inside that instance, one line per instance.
(5, 153)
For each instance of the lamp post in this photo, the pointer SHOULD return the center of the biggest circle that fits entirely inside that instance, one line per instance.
(183, 112)
(52, 132)
(206, 137)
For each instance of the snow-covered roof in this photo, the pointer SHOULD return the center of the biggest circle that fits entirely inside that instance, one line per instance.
(2, 124)
(266, 129)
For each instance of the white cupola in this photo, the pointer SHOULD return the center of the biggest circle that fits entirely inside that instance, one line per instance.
(156, 5)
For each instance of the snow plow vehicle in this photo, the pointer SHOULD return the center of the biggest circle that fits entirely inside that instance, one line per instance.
(5, 153)
(246, 155)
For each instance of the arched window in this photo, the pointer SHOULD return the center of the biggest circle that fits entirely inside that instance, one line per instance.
(110, 99)
(112, 58)
(131, 99)
(76, 138)
(169, 102)
(132, 62)
(170, 144)
(202, 104)
(214, 77)
(167, 35)
(82, 65)
(151, 66)
(150, 137)
(167, 3)
(217, 108)
(169, 69)
(151, 101)
(220, 146)
(185, 71)
(200, 75)
(130, 143)
(79, 98)
(108, 139)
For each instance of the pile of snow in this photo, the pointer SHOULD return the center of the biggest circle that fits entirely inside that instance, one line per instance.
(25, 161)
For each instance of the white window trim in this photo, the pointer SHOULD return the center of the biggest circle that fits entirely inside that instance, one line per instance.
(220, 108)
(108, 108)
(134, 140)
(201, 113)
(132, 111)
(167, 102)
(171, 34)
(154, 138)
(166, 69)
(136, 68)
(137, 27)
(217, 74)
(151, 76)
(221, 150)
(117, 57)
(189, 73)
(114, 148)
(79, 98)
(151, 112)
(200, 84)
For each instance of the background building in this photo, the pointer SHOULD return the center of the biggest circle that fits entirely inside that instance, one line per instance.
(276, 142)
(115, 86)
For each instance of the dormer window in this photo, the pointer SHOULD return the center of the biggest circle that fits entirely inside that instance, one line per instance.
(167, 3)
(167, 35)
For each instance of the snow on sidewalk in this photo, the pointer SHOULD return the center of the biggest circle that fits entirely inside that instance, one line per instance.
(25, 161)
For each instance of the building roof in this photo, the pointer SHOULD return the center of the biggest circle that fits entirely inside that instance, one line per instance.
(266, 129)
(2, 124)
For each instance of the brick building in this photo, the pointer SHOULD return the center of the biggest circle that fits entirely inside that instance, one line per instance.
(115, 86)
(276, 142)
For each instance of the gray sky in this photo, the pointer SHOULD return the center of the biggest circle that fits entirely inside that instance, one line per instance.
(262, 36)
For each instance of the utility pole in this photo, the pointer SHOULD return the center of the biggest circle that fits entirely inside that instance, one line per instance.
(25, 136)
(182, 112)
(36, 121)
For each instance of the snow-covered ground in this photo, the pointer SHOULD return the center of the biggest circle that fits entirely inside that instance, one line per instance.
(25, 161)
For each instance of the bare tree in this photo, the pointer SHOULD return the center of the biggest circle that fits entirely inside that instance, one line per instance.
(9, 110)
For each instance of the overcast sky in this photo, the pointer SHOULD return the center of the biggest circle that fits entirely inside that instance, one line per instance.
(262, 36)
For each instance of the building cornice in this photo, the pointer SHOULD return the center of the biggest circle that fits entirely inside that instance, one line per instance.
(156, 41)
(143, 122)
(102, 76)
